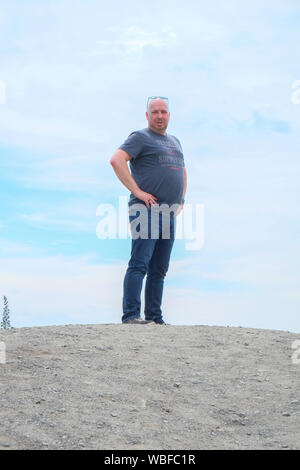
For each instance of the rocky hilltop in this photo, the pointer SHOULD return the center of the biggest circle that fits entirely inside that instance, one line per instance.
(111, 386)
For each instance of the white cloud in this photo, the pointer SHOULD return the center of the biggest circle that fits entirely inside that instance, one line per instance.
(83, 291)
(193, 307)
(10, 248)
(58, 289)
(44, 221)
(67, 173)
(132, 40)
(70, 214)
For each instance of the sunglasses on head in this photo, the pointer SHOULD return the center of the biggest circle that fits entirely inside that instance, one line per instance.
(150, 98)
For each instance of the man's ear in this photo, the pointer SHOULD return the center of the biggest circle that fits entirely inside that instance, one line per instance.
(146, 115)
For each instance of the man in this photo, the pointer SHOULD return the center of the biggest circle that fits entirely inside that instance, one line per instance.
(157, 181)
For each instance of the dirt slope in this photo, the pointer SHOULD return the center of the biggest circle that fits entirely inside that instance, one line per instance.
(149, 387)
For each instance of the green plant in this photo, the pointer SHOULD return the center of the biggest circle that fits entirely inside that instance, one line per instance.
(5, 324)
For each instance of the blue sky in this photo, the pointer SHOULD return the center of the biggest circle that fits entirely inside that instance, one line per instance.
(76, 76)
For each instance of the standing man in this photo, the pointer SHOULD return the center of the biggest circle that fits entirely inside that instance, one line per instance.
(157, 182)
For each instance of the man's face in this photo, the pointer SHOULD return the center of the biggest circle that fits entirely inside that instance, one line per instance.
(158, 116)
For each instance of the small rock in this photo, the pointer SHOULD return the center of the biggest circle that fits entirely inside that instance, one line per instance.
(114, 415)
(177, 384)
(286, 414)
(135, 440)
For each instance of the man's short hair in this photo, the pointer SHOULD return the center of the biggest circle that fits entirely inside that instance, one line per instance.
(152, 98)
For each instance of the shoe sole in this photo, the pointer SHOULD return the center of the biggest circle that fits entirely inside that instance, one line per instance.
(138, 322)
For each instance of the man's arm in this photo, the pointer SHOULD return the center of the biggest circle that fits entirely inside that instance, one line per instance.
(119, 162)
(184, 191)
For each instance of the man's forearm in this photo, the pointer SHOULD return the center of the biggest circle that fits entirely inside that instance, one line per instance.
(122, 172)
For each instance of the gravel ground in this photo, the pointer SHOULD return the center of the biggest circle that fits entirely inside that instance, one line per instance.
(113, 387)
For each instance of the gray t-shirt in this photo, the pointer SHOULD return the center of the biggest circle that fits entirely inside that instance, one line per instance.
(157, 165)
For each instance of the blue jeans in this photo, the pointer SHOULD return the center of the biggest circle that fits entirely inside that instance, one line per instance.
(149, 256)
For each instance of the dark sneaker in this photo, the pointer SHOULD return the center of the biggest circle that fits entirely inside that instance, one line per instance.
(159, 322)
(138, 321)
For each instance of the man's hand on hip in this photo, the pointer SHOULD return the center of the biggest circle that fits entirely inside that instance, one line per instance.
(147, 198)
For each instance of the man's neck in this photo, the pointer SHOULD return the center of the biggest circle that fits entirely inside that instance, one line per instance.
(158, 132)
